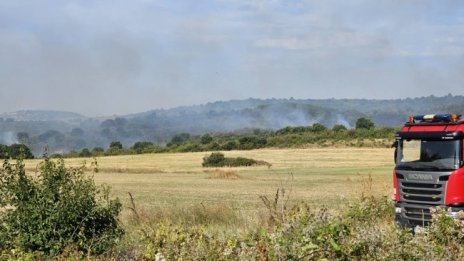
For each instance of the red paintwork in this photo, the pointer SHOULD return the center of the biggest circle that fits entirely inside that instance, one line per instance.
(438, 128)
(395, 184)
(455, 188)
(455, 184)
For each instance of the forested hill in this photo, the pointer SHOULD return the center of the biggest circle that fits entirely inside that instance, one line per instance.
(66, 131)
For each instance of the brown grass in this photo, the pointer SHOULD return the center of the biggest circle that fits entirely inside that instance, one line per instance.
(222, 174)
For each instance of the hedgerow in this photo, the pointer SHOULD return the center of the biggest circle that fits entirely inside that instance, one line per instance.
(289, 137)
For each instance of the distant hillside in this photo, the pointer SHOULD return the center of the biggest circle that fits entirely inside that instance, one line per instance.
(32, 115)
(276, 113)
(66, 131)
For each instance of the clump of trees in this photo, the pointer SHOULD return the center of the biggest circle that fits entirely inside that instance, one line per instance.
(15, 151)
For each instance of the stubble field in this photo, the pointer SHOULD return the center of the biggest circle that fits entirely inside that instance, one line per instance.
(319, 176)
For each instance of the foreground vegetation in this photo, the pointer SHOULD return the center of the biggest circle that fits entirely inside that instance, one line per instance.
(60, 208)
(311, 204)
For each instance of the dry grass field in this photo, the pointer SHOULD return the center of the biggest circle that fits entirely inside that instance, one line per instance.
(319, 176)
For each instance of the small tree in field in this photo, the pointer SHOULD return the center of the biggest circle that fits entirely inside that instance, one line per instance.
(116, 145)
(60, 208)
(364, 123)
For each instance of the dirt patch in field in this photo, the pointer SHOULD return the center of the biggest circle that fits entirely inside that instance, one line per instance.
(222, 174)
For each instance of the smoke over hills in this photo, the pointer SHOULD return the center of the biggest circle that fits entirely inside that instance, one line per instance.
(67, 131)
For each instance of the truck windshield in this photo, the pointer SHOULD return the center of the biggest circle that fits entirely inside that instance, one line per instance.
(429, 154)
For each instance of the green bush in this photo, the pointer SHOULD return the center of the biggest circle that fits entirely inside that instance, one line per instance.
(217, 159)
(239, 161)
(230, 145)
(142, 146)
(60, 209)
(364, 123)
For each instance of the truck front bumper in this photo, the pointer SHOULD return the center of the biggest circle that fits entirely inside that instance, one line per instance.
(411, 215)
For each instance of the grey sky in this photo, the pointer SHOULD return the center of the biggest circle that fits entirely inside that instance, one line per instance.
(114, 57)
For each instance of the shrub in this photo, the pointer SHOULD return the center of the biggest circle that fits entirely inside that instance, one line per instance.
(318, 127)
(338, 128)
(206, 138)
(116, 145)
(252, 142)
(239, 161)
(230, 145)
(364, 123)
(142, 146)
(98, 151)
(178, 139)
(61, 208)
(217, 159)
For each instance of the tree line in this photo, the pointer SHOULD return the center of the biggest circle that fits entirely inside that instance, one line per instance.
(364, 134)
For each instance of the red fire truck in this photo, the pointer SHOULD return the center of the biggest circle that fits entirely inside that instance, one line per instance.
(429, 169)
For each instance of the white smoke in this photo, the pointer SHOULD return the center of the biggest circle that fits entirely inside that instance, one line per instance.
(342, 120)
(8, 138)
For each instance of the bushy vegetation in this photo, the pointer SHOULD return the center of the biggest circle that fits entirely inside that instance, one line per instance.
(217, 159)
(365, 135)
(14, 151)
(363, 231)
(57, 210)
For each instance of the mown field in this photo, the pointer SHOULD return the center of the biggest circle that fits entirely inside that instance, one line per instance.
(319, 176)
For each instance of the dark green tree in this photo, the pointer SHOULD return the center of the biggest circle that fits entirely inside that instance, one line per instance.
(206, 139)
(364, 123)
(142, 146)
(116, 145)
(339, 127)
(97, 151)
(178, 139)
(318, 127)
(230, 145)
(4, 151)
(20, 150)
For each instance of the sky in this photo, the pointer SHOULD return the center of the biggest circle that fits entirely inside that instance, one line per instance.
(106, 57)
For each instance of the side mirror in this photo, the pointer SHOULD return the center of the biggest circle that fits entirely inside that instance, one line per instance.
(395, 145)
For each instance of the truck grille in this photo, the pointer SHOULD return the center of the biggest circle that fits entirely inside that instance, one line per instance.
(419, 191)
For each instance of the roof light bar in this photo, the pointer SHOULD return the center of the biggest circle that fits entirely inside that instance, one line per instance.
(435, 118)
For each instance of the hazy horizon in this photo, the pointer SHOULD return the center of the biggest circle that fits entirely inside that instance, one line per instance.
(121, 57)
(211, 102)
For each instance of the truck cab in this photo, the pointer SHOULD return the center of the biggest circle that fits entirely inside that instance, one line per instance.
(429, 168)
